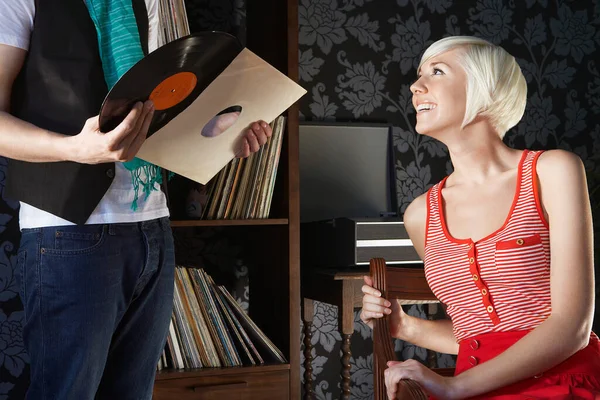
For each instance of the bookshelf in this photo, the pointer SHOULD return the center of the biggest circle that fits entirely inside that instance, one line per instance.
(229, 222)
(272, 243)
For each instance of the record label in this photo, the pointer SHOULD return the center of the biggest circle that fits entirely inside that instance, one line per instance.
(173, 90)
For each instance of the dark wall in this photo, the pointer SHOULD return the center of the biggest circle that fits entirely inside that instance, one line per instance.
(358, 58)
(14, 367)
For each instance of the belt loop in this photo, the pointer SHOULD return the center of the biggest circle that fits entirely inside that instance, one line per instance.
(109, 228)
(165, 224)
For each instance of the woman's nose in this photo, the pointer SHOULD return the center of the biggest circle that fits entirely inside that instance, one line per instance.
(417, 87)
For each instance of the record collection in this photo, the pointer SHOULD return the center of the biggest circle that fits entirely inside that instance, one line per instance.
(209, 328)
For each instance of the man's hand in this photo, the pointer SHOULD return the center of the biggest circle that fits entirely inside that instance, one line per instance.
(254, 137)
(121, 144)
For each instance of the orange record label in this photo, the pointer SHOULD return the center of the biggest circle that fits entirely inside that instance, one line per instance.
(173, 90)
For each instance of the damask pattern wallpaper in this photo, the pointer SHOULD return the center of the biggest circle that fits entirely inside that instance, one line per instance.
(358, 58)
(14, 367)
(357, 61)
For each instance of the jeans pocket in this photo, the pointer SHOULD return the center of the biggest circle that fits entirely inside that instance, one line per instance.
(75, 241)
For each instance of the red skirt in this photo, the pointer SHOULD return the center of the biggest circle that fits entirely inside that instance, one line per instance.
(578, 377)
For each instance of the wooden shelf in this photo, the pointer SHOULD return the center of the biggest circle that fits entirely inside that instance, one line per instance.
(203, 372)
(274, 269)
(229, 222)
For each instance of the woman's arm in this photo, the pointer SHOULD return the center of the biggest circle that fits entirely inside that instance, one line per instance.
(565, 198)
(435, 335)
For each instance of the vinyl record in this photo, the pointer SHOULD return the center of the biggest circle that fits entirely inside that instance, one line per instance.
(172, 76)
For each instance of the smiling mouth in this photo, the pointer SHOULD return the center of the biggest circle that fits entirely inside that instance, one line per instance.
(423, 108)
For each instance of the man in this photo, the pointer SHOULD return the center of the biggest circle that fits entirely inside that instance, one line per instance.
(96, 261)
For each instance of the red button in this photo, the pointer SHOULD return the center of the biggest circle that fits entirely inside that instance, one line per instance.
(474, 344)
(473, 361)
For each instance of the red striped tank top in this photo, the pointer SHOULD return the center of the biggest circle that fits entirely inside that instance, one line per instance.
(502, 282)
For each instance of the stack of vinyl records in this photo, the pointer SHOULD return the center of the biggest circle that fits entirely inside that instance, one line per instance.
(210, 329)
(244, 188)
(173, 21)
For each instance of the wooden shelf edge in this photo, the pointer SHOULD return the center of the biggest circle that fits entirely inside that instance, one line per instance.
(200, 372)
(229, 222)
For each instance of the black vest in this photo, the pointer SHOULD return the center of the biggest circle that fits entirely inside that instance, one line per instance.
(60, 86)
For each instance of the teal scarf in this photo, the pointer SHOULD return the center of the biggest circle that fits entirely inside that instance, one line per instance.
(120, 48)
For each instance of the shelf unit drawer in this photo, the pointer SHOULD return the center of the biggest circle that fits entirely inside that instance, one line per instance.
(267, 385)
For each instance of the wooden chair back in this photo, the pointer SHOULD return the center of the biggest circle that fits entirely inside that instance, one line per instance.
(409, 286)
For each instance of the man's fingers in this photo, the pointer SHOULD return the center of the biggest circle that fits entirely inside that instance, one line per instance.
(130, 140)
(148, 107)
(244, 150)
(267, 128)
(93, 123)
(141, 136)
(252, 140)
(260, 133)
(126, 127)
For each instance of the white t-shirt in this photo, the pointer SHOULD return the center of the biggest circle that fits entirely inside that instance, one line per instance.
(16, 25)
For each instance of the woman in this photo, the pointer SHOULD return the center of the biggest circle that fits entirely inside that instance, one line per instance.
(506, 240)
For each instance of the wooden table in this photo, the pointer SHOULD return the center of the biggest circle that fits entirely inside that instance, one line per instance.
(342, 288)
(339, 288)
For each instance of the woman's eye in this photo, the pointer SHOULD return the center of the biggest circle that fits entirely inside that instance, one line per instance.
(437, 71)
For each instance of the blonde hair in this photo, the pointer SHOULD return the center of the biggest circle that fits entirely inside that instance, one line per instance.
(496, 87)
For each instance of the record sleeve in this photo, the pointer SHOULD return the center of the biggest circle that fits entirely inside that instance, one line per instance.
(191, 80)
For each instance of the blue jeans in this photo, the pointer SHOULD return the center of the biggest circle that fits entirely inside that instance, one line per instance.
(98, 302)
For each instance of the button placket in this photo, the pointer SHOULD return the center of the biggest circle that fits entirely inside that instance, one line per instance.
(474, 344)
(473, 361)
(485, 295)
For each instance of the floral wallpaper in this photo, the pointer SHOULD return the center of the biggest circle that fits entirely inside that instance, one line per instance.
(14, 367)
(358, 59)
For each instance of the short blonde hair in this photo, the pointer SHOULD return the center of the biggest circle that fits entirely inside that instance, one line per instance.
(496, 87)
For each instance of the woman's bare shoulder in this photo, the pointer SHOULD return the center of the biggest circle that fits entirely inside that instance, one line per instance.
(557, 165)
(415, 215)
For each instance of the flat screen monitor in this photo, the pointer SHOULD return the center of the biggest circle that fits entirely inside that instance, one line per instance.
(346, 170)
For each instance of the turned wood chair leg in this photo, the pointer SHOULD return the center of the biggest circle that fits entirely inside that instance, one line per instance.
(346, 326)
(307, 317)
(346, 355)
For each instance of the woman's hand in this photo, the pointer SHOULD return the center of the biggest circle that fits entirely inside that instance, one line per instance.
(440, 387)
(374, 306)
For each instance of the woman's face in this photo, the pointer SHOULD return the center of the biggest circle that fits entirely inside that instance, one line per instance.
(439, 94)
